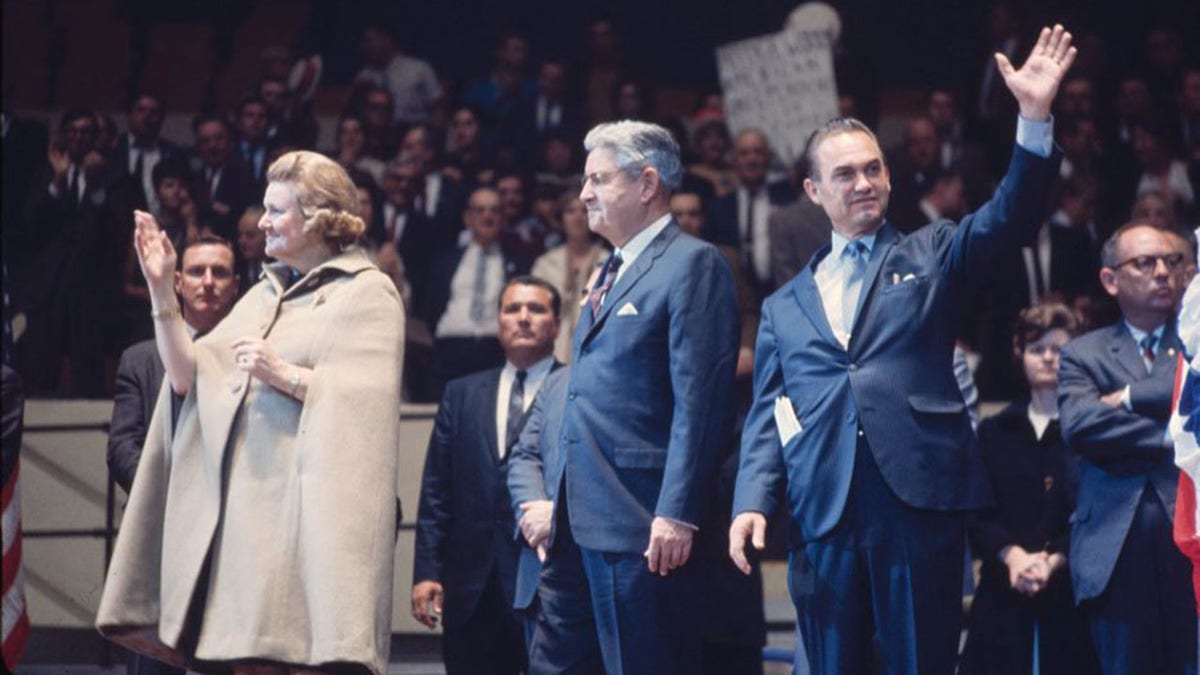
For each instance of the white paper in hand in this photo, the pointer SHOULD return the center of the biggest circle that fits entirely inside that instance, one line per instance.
(785, 420)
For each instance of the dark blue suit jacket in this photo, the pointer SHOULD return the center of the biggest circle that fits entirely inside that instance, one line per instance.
(650, 400)
(465, 521)
(721, 225)
(895, 381)
(1123, 452)
(535, 471)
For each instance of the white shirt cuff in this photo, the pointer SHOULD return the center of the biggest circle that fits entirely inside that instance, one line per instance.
(1125, 402)
(693, 528)
(1036, 136)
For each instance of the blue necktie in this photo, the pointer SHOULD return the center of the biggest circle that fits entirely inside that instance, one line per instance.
(854, 266)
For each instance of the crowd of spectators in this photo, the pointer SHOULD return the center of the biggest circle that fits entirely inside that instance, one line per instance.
(466, 184)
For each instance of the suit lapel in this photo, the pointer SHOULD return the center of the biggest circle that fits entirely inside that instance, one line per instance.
(809, 299)
(1125, 352)
(488, 401)
(640, 267)
(1166, 357)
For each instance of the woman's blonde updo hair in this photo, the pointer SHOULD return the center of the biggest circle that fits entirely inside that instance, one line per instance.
(327, 196)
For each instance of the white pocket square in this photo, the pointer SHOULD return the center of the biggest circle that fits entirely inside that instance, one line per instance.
(627, 310)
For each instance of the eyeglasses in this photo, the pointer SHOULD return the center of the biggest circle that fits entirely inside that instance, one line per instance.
(1146, 264)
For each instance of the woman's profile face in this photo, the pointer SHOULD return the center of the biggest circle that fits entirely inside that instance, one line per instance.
(283, 225)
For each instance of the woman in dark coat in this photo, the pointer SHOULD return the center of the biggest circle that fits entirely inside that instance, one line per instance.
(1023, 609)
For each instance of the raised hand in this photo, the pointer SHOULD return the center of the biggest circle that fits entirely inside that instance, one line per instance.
(1036, 83)
(156, 255)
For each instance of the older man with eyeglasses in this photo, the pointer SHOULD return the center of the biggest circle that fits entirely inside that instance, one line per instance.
(1115, 387)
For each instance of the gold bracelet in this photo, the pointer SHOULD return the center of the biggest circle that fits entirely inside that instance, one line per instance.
(164, 314)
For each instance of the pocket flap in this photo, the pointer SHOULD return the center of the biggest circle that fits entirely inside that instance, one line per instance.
(640, 458)
(935, 404)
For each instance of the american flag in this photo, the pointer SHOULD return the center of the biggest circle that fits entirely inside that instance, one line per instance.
(14, 620)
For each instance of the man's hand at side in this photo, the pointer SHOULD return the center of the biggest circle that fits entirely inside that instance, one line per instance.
(670, 545)
(747, 525)
(427, 602)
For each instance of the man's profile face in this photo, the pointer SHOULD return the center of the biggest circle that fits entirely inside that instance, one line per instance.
(852, 182)
(612, 197)
(205, 281)
(527, 321)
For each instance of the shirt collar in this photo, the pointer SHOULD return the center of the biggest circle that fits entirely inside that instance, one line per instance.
(638, 243)
(533, 373)
(1138, 334)
(840, 242)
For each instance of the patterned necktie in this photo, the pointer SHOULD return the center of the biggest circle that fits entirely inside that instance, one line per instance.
(606, 282)
(516, 410)
(854, 265)
(1147, 344)
(479, 287)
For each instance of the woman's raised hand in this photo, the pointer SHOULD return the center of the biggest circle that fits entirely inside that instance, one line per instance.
(156, 255)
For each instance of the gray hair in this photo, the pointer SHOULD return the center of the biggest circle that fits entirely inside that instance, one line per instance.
(838, 125)
(638, 145)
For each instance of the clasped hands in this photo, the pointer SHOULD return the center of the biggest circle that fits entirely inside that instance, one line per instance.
(1029, 573)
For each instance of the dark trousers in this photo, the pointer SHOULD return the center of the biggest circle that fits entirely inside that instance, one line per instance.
(883, 590)
(1145, 620)
(490, 642)
(606, 613)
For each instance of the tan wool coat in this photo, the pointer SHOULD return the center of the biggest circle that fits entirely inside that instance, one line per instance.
(296, 501)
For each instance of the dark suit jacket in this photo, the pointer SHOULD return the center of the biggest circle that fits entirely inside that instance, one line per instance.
(131, 188)
(535, 472)
(650, 401)
(721, 225)
(465, 518)
(1123, 452)
(235, 191)
(441, 273)
(139, 379)
(895, 381)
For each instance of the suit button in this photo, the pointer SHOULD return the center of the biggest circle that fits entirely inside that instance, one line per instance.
(571, 396)
(853, 367)
(860, 433)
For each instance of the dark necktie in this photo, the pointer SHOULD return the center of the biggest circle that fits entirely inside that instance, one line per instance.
(1147, 345)
(607, 279)
(138, 166)
(516, 410)
(479, 287)
(73, 184)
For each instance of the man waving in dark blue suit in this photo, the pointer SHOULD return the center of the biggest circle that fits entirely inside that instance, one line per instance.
(648, 408)
(856, 405)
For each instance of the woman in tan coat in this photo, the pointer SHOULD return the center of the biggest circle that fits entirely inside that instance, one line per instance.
(569, 266)
(260, 530)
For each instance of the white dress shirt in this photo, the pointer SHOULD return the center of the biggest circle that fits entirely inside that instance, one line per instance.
(456, 321)
(534, 376)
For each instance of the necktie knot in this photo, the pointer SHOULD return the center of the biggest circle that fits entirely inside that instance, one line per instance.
(1148, 343)
(607, 279)
(521, 374)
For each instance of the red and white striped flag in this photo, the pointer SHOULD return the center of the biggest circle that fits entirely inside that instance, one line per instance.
(14, 620)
